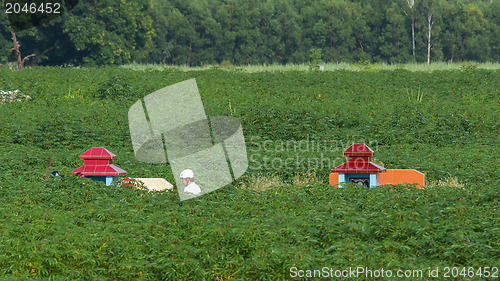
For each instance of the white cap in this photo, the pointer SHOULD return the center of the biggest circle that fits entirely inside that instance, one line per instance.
(188, 173)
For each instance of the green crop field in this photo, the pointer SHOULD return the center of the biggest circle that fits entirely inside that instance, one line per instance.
(282, 215)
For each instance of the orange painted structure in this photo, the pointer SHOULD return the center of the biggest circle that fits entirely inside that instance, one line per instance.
(334, 178)
(402, 176)
(359, 169)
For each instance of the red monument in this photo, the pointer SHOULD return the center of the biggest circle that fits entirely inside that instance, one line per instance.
(97, 165)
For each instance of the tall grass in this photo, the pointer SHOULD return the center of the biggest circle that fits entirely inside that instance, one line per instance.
(437, 66)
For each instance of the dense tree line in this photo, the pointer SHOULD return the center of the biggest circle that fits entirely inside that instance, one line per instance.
(198, 32)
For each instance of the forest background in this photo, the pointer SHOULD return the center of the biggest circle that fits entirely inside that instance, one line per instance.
(230, 32)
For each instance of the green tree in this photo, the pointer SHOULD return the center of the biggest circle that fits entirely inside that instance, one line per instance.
(319, 34)
(224, 16)
(340, 39)
(307, 18)
(491, 10)
(269, 30)
(247, 34)
(409, 10)
(109, 31)
(162, 50)
(394, 38)
(364, 40)
(47, 43)
(261, 31)
(5, 41)
(315, 57)
(193, 32)
(465, 37)
(428, 30)
(476, 41)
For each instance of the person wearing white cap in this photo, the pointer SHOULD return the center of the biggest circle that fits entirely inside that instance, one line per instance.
(187, 178)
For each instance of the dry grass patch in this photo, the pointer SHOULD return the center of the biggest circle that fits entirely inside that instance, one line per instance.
(260, 182)
(450, 181)
(304, 179)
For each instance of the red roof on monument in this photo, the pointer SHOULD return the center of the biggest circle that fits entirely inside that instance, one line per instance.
(100, 170)
(97, 153)
(358, 149)
(97, 162)
(358, 161)
(358, 167)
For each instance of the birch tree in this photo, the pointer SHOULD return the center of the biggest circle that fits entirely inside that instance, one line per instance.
(411, 4)
(427, 10)
(429, 21)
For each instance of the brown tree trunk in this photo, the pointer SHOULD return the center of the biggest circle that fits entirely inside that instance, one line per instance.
(20, 60)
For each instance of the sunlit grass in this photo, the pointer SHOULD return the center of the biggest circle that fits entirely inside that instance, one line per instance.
(437, 66)
(450, 181)
(304, 179)
(260, 182)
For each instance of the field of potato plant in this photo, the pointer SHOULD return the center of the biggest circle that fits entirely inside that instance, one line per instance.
(280, 214)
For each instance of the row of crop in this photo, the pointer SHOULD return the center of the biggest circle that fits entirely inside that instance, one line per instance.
(74, 228)
(392, 107)
(89, 108)
(33, 125)
(404, 125)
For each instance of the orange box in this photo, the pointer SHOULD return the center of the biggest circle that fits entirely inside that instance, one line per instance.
(401, 176)
(334, 178)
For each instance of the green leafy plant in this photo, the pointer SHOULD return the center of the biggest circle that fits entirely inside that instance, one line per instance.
(74, 228)
(315, 59)
(115, 88)
(366, 65)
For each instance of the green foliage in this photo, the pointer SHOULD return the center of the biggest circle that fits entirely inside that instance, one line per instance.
(121, 34)
(443, 123)
(394, 40)
(365, 65)
(468, 67)
(92, 231)
(5, 42)
(196, 33)
(115, 88)
(315, 57)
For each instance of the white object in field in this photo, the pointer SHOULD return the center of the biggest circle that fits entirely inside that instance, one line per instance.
(188, 173)
(155, 184)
